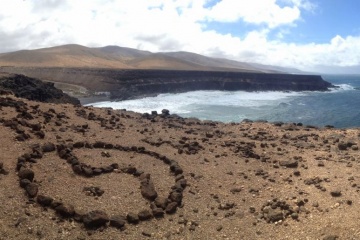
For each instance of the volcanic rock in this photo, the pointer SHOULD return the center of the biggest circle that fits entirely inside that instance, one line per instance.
(65, 210)
(95, 219)
(289, 163)
(147, 187)
(144, 215)
(26, 173)
(32, 189)
(118, 221)
(132, 218)
(171, 207)
(44, 200)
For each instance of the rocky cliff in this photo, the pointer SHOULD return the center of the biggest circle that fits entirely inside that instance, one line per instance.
(149, 82)
(34, 89)
(127, 84)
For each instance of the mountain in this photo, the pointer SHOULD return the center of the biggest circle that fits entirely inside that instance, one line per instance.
(116, 57)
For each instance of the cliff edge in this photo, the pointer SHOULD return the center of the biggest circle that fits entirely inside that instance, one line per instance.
(129, 84)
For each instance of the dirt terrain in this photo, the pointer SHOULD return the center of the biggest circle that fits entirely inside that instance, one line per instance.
(73, 172)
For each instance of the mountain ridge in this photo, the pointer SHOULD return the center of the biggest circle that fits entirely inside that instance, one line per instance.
(116, 57)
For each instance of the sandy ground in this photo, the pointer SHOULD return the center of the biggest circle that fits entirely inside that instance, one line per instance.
(235, 181)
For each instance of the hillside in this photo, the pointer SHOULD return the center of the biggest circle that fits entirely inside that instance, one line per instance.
(123, 58)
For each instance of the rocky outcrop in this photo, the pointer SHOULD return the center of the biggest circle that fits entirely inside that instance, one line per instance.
(34, 89)
(130, 84)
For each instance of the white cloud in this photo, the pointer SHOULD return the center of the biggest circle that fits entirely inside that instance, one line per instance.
(174, 25)
(255, 11)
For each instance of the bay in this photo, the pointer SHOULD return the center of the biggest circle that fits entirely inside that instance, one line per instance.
(338, 107)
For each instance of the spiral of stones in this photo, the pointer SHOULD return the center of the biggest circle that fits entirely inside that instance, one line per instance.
(158, 206)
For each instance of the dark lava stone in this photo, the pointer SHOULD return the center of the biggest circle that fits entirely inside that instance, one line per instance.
(26, 173)
(65, 210)
(171, 208)
(118, 221)
(32, 189)
(24, 182)
(95, 219)
(158, 212)
(132, 218)
(48, 147)
(145, 215)
(44, 200)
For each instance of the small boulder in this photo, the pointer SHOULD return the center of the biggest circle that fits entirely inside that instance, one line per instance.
(65, 210)
(171, 208)
(118, 221)
(342, 146)
(147, 187)
(289, 163)
(161, 202)
(336, 193)
(32, 189)
(48, 147)
(95, 219)
(26, 173)
(132, 218)
(158, 212)
(44, 200)
(144, 215)
(24, 182)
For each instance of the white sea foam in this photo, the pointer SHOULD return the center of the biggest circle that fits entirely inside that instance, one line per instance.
(183, 103)
(343, 87)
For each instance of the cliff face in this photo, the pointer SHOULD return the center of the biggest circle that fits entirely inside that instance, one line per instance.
(127, 84)
(137, 83)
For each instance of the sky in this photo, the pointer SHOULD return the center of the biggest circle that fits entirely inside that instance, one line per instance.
(310, 35)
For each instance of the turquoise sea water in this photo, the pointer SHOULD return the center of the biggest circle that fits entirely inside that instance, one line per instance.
(339, 107)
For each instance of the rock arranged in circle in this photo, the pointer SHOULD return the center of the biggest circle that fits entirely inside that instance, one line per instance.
(158, 206)
(96, 218)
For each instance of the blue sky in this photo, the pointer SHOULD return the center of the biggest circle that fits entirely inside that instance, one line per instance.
(312, 35)
(324, 21)
(330, 18)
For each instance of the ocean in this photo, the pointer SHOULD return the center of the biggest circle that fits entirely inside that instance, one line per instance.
(339, 107)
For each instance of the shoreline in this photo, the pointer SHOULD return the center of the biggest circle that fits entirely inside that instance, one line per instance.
(252, 116)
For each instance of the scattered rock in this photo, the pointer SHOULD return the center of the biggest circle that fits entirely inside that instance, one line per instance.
(146, 234)
(331, 237)
(289, 163)
(335, 193)
(94, 191)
